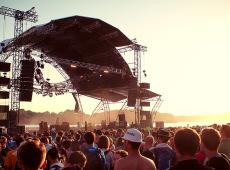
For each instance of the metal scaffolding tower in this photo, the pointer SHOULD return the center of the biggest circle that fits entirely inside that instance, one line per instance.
(138, 50)
(19, 17)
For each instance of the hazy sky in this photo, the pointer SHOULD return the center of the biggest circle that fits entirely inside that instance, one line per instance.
(188, 44)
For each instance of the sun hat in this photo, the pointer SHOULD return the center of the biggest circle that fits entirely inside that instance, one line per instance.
(133, 135)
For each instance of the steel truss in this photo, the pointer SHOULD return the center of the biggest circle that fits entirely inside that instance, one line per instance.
(138, 50)
(90, 66)
(19, 17)
(156, 107)
(103, 105)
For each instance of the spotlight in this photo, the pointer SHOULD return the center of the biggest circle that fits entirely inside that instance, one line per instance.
(106, 71)
(73, 66)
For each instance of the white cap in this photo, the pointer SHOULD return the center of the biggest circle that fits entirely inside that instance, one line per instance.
(133, 135)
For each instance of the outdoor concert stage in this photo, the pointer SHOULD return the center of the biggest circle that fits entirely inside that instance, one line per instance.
(87, 53)
(91, 42)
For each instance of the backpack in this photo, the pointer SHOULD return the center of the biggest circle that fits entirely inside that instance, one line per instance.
(95, 159)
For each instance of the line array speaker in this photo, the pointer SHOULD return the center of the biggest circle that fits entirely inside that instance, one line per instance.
(4, 95)
(26, 80)
(132, 96)
(4, 67)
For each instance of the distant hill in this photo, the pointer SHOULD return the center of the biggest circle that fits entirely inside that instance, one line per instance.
(30, 117)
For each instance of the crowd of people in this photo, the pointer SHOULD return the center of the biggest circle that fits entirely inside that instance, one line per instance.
(197, 148)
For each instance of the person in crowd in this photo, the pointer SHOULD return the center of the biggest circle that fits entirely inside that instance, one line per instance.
(76, 161)
(53, 159)
(120, 145)
(95, 157)
(118, 155)
(98, 134)
(210, 140)
(187, 142)
(111, 145)
(134, 160)
(31, 156)
(76, 143)
(225, 140)
(164, 155)
(11, 157)
(66, 144)
(103, 144)
(4, 150)
(147, 147)
(45, 140)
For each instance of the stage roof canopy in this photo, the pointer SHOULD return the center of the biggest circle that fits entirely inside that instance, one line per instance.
(86, 40)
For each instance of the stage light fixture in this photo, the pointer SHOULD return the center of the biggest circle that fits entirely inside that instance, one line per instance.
(106, 71)
(73, 66)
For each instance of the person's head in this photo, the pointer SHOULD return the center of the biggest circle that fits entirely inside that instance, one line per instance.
(120, 142)
(98, 134)
(119, 154)
(225, 131)
(44, 140)
(53, 155)
(31, 156)
(77, 136)
(149, 141)
(77, 158)
(62, 155)
(66, 144)
(186, 141)
(89, 138)
(163, 136)
(58, 139)
(210, 139)
(103, 142)
(3, 141)
(133, 139)
(119, 133)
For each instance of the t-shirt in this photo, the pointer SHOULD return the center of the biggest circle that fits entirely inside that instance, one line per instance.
(218, 162)
(191, 164)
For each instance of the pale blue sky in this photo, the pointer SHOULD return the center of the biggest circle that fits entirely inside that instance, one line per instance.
(188, 47)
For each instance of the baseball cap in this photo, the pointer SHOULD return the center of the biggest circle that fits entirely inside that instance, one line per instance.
(133, 135)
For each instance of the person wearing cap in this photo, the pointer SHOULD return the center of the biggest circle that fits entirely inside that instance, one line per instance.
(164, 155)
(134, 160)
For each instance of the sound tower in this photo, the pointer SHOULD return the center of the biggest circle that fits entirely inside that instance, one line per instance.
(12, 121)
(122, 121)
(26, 80)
